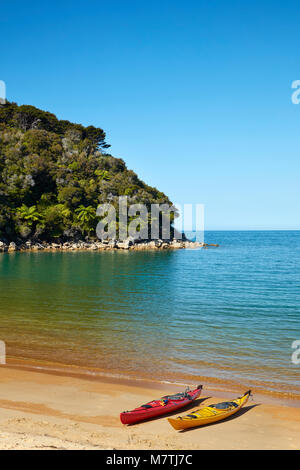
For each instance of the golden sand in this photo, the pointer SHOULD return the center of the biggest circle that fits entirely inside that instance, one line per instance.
(42, 410)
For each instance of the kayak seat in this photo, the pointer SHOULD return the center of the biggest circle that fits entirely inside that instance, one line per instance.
(146, 406)
(177, 396)
(224, 405)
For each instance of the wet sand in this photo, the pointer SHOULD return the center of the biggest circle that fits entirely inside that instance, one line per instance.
(42, 410)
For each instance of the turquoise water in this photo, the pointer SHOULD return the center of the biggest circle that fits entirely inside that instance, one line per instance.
(228, 314)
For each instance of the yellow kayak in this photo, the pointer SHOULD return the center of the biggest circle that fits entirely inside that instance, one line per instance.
(209, 414)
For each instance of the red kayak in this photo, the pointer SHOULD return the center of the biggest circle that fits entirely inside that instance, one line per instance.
(166, 404)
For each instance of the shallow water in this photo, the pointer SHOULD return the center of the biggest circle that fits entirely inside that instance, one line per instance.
(228, 314)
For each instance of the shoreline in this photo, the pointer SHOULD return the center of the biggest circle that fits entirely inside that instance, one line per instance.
(219, 387)
(42, 410)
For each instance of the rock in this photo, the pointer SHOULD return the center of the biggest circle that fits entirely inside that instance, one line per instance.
(12, 247)
(99, 246)
(55, 246)
(141, 246)
(112, 243)
(165, 245)
(193, 245)
(134, 240)
(3, 247)
(152, 245)
(36, 248)
(93, 246)
(176, 244)
(124, 245)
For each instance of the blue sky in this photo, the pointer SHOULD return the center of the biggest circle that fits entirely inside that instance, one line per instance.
(194, 95)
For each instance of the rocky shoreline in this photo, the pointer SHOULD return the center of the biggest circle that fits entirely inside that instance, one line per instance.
(98, 245)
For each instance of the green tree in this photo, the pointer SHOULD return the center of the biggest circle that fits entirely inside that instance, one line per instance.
(56, 219)
(86, 217)
(29, 214)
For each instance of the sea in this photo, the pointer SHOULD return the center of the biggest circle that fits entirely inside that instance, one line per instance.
(227, 316)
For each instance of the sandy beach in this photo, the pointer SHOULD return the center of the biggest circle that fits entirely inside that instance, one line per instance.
(43, 410)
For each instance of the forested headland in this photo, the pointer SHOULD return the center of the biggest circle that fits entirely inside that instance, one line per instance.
(54, 174)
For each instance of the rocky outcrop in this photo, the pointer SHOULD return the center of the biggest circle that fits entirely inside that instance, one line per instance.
(97, 245)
